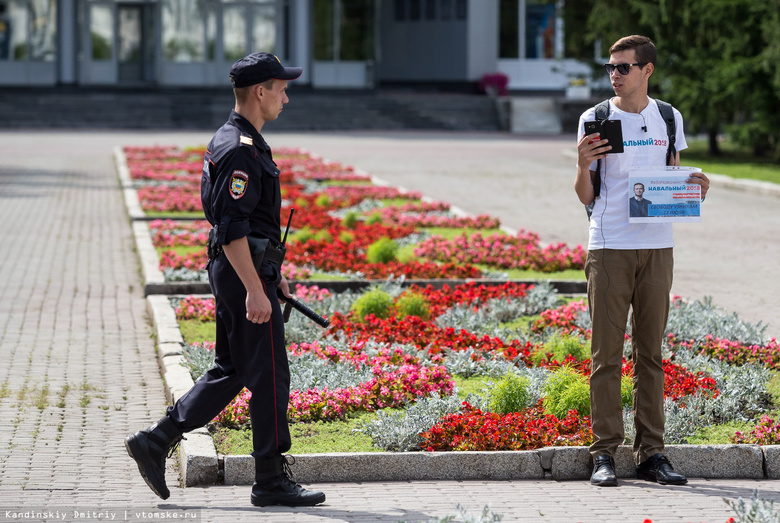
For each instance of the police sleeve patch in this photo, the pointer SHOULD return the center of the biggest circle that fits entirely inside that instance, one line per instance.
(238, 183)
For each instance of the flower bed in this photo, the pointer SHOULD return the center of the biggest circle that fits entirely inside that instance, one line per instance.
(412, 359)
(403, 351)
(337, 224)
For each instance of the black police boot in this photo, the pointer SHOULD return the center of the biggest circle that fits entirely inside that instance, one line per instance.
(657, 468)
(604, 472)
(149, 448)
(274, 485)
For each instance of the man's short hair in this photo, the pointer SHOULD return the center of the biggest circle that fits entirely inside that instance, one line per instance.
(241, 93)
(643, 47)
(639, 183)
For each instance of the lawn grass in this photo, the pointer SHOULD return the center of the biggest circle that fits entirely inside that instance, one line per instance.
(196, 331)
(176, 215)
(307, 438)
(325, 436)
(181, 250)
(735, 161)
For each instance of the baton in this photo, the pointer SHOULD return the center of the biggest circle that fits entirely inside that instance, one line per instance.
(303, 309)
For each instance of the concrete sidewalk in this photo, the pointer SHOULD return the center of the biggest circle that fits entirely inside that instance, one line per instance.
(80, 367)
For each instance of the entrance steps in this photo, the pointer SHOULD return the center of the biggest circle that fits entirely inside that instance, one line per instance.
(207, 109)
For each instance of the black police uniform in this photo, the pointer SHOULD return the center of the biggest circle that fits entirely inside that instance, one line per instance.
(241, 197)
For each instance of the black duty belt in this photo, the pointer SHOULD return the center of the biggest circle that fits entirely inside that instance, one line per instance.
(265, 249)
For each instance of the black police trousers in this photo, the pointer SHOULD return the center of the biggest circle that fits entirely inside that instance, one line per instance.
(251, 355)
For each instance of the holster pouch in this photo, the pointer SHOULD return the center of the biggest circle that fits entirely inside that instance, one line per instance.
(213, 249)
(257, 247)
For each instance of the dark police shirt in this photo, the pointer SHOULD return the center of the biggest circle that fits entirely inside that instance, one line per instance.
(240, 188)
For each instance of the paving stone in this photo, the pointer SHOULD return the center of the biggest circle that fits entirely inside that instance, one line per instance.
(73, 316)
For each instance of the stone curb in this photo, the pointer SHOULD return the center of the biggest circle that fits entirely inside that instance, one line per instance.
(176, 288)
(198, 460)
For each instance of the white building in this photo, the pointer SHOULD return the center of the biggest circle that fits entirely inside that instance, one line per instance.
(340, 43)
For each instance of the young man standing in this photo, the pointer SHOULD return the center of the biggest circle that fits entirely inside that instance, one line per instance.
(241, 199)
(628, 265)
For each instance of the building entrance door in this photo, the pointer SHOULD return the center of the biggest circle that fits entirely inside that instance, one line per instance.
(344, 43)
(130, 39)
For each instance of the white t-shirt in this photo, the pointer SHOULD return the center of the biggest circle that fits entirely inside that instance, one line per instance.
(609, 226)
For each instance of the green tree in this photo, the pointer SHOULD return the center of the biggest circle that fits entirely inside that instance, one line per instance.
(718, 61)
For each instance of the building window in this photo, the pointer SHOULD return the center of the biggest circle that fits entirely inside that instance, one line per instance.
(399, 10)
(211, 35)
(461, 9)
(508, 29)
(356, 41)
(343, 30)
(182, 31)
(28, 30)
(540, 29)
(446, 9)
(537, 19)
(264, 29)
(101, 28)
(415, 10)
(234, 38)
(430, 9)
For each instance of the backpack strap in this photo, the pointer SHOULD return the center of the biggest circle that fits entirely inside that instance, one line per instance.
(667, 113)
(602, 113)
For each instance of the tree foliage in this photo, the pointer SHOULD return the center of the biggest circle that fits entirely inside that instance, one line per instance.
(718, 60)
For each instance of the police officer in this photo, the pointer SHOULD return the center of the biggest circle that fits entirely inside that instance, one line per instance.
(242, 200)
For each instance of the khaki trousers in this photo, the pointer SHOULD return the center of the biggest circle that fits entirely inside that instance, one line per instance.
(617, 279)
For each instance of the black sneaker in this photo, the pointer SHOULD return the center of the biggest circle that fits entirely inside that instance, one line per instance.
(657, 468)
(604, 472)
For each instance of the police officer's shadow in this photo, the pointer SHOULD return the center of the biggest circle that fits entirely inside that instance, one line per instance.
(323, 511)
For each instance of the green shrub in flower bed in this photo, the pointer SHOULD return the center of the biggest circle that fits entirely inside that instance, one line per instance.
(394, 379)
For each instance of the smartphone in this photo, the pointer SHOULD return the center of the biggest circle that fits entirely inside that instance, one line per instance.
(612, 130)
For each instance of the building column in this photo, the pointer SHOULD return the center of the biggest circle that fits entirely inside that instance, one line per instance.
(67, 35)
(300, 39)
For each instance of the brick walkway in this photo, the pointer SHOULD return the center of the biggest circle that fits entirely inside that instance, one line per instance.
(80, 373)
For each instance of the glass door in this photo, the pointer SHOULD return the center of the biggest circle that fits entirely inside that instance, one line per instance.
(344, 43)
(98, 55)
(130, 37)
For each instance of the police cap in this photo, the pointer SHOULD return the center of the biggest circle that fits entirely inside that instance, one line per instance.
(256, 68)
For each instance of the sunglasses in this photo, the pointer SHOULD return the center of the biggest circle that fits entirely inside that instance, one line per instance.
(622, 68)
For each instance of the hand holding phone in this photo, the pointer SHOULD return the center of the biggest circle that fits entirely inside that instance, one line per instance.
(611, 130)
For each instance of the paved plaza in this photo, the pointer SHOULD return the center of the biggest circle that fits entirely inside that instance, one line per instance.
(80, 371)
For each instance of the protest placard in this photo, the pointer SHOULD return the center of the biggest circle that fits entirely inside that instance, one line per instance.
(661, 194)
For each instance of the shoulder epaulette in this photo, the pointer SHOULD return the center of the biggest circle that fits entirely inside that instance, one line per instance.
(246, 140)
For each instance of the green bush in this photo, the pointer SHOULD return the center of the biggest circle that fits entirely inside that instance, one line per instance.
(346, 236)
(510, 394)
(350, 220)
(323, 236)
(302, 235)
(626, 391)
(382, 251)
(323, 200)
(566, 389)
(560, 346)
(413, 304)
(376, 302)
(374, 218)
